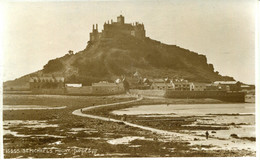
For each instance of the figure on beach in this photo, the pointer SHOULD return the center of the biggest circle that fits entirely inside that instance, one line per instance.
(207, 135)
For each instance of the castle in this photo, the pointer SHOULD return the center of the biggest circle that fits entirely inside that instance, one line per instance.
(120, 27)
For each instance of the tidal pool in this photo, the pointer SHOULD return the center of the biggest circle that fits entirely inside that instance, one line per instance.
(189, 109)
(239, 118)
(9, 125)
(29, 107)
(125, 140)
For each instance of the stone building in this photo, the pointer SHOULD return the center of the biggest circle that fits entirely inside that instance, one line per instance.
(182, 85)
(46, 82)
(120, 27)
(198, 86)
(177, 85)
(161, 84)
(224, 86)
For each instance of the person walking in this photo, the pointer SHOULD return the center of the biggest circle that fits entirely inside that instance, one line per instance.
(207, 135)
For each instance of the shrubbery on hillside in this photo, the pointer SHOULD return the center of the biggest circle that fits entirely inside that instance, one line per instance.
(53, 66)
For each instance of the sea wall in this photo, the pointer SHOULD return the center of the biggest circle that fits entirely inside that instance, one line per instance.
(108, 90)
(84, 90)
(25, 87)
(221, 95)
(148, 92)
(49, 91)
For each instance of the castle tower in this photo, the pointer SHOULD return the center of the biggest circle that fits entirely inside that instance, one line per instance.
(121, 19)
(94, 35)
(119, 27)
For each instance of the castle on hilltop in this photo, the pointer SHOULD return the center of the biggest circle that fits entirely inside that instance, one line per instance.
(120, 27)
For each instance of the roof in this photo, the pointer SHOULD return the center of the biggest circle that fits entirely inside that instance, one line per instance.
(225, 82)
(73, 84)
(136, 74)
(118, 80)
(161, 84)
(180, 80)
(158, 80)
(245, 86)
(183, 82)
(198, 83)
(146, 80)
(52, 79)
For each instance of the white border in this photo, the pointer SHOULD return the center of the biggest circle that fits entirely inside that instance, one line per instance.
(257, 73)
(257, 80)
(2, 20)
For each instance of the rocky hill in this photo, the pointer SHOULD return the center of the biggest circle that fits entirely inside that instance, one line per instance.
(123, 55)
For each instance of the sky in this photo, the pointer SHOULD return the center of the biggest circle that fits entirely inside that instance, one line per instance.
(224, 31)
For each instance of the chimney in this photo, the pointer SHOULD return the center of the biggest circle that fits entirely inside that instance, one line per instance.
(97, 27)
(93, 27)
(111, 21)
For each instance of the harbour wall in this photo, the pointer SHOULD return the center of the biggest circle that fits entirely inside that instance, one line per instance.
(148, 92)
(220, 95)
(84, 90)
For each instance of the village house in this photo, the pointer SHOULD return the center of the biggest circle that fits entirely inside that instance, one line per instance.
(181, 85)
(228, 85)
(46, 82)
(161, 84)
(177, 84)
(247, 88)
(215, 87)
(146, 83)
(185, 85)
(195, 86)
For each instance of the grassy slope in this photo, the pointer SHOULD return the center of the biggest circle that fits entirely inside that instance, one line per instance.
(124, 55)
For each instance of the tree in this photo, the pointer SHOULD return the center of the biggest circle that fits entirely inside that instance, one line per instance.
(70, 52)
(126, 85)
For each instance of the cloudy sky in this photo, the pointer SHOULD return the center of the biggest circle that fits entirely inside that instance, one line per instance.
(224, 31)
